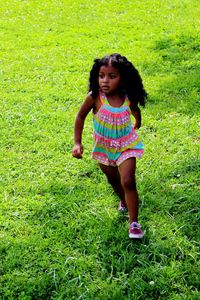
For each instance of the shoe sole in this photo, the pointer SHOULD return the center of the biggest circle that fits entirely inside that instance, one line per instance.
(136, 236)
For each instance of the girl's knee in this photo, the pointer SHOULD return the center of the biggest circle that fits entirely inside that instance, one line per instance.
(113, 180)
(128, 182)
(112, 174)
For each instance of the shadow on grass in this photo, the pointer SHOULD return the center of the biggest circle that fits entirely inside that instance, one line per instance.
(178, 70)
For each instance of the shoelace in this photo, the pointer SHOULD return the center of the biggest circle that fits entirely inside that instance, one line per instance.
(135, 225)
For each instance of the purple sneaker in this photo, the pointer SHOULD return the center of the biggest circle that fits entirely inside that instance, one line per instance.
(135, 231)
(122, 207)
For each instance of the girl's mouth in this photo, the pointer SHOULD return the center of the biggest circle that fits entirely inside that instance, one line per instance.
(105, 87)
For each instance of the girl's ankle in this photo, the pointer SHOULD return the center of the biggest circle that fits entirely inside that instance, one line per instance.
(133, 222)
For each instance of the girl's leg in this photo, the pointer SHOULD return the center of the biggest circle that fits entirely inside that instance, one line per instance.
(113, 178)
(128, 182)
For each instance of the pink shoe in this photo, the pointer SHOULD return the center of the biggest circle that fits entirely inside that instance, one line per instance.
(122, 207)
(135, 231)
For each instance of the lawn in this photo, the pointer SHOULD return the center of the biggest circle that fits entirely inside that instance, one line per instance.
(61, 235)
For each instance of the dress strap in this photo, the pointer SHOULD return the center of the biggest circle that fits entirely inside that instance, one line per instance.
(103, 98)
(127, 101)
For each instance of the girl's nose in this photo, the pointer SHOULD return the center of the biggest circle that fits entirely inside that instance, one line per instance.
(105, 79)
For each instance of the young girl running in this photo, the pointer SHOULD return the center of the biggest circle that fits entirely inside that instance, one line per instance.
(115, 90)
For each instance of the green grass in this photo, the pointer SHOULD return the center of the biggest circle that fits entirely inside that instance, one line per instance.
(61, 235)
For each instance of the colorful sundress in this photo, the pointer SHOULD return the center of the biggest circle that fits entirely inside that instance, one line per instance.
(115, 139)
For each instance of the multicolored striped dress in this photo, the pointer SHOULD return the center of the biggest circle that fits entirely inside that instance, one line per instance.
(115, 139)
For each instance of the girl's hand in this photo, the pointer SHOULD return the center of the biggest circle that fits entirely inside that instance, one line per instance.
(77, 151)
(137, 115)
(137, 124)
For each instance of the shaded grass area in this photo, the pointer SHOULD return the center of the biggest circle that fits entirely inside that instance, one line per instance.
(61, 235)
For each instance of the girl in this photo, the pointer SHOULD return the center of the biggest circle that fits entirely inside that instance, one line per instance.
(115, 90)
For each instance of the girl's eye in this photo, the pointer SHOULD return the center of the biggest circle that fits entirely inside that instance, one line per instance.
(101, 75)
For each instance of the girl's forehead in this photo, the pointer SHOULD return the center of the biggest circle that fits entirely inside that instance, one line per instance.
(108, 69)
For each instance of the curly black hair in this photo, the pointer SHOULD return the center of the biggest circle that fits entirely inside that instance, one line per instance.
(132, 82)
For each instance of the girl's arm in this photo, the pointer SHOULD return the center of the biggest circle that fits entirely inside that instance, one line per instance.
(137, 115)
(87, 105)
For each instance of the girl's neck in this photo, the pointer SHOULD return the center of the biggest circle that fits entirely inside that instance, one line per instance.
(116, 95)
(116, 99)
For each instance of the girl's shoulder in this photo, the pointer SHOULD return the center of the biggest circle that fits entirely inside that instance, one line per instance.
(94, 103)
(91, 98)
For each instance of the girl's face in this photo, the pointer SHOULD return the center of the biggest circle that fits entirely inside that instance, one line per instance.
(109, 80)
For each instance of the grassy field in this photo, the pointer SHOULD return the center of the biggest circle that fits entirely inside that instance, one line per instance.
(61, 236)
